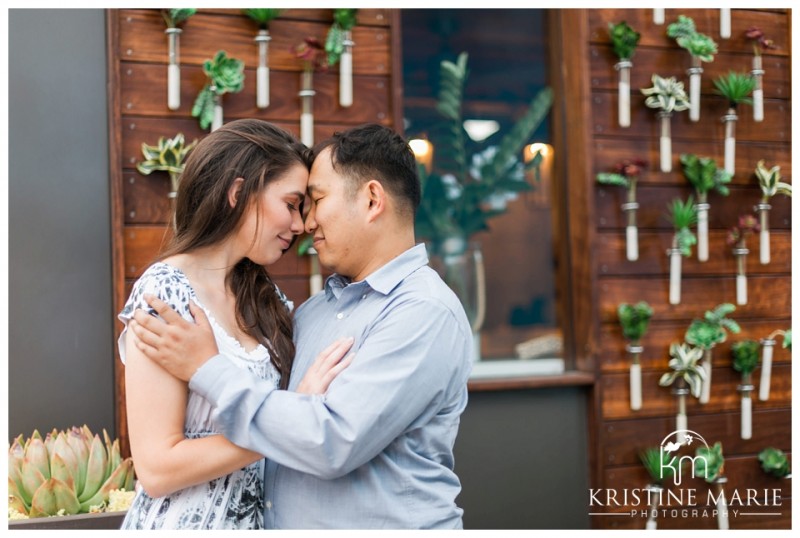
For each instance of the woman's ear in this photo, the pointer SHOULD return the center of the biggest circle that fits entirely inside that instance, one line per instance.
(234, 190)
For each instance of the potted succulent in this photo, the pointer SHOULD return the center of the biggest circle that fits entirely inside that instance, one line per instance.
(168, 156)
(682, 215)
(707, 333)
(225, 75)
(745, 360)
(174, 18)
(624, 40)
(737, 238)
(735, 87)
(634, 320)
(710, 463)
(625, 175)
(689, 376)
(760, 42)
(660, 465)
(704, 176)
(339, 46)
(771, 184)
(774, 462)
(702, 49)
(310, 53)
(65, 473)
(767, 345)
(262, 17)
(462, 192)
(667, 96)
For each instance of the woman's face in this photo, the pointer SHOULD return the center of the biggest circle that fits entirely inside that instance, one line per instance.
(272, 221)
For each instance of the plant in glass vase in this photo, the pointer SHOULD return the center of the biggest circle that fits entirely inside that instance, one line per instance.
(760, 43)
(702, 49)
(634, 320)
(667, 96)
(262, 17)
(774, 462)
(168, 156)
(689, 376)
(461, 193)
(225, 75)
(707, 333)
(767, 347)
(710, 464)
(339, 46)
(745, 360)
(625, 175)
(771, 184)
(312, 55)
(624, 40)
(682, 215)
(735, 87)
(704, 176)
(660, 465)
(174, 18)
(737, 238)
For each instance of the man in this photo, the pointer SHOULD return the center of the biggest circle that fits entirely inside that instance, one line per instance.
(376, 451)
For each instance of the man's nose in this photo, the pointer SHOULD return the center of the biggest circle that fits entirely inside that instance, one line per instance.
(311, 221)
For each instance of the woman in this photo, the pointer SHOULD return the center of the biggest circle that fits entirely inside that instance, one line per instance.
(238, 209)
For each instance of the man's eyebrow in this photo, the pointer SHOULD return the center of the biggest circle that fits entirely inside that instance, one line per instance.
(300, 195)
(312, 189)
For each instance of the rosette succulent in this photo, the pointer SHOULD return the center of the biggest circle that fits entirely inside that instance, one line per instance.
(67, 472)
(225, 75)
(774, 462)
(168, 156)
(666, 94)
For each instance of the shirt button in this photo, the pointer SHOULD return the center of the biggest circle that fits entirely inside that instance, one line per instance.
(364, 296)
(340, 315)
(268, 504)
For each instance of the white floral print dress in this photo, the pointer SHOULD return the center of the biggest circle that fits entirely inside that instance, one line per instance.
(235, 501)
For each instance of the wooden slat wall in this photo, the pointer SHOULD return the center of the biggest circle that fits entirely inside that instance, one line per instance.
(619, 432)
(139, 113)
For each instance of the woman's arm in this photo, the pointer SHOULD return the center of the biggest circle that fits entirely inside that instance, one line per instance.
(164, 459)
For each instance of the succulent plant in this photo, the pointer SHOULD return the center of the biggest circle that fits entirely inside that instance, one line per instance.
(684, 365)
(634, 319)
(624, 39)
(666, 94)
(703, 174)
(735, 87)
(263, 16)
(770, 181)
(774, 462)
(660, 465)
(682, 215)
(686, 35)
(713, 328)
(225, 75)
(167, 156)
(745, 356)
(67, 472)
(176, 16)
(710, 463)
(343, 21)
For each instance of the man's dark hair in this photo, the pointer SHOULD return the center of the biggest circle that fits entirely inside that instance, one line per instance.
(373, 151)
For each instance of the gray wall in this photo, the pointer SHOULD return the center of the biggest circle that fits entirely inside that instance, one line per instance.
(60, 310)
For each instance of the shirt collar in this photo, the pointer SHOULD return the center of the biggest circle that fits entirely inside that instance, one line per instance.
(385, 279)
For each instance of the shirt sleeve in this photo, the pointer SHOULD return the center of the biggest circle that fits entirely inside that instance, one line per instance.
(409, 367)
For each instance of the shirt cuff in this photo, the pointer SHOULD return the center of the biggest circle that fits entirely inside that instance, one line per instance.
(210, 376)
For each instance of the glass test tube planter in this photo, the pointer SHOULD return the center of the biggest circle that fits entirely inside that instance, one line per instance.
(771, 184)
(666, 96)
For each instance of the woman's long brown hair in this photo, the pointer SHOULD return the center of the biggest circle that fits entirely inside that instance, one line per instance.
(260, 153)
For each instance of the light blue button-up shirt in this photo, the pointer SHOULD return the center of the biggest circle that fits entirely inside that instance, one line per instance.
(376, 451)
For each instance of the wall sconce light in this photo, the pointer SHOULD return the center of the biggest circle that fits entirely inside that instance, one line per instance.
(423, 151)
(541, 189)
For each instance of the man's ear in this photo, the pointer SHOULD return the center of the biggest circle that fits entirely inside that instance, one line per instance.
(376, 198)
(234, 190)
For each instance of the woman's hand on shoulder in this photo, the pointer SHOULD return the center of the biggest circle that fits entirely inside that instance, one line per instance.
(328, 364)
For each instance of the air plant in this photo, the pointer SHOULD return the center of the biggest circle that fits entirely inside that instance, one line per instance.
(311, 53)
(660, 465)
(702, 49)
(174, 18)
(745, 360)
(624, 41)
(168, 156)
(774, 462)
(682, 215)
(667, 95)
(710, 463)
(735, 87)
(634, 320)
(760, 43)
(689, 376)
(767, 347)
(625, 175)
(225, 75)
(339, 46)
(67, 472)
(703, 174)
(771, 184)
(708, 332)
(262, 17)
(737, 238)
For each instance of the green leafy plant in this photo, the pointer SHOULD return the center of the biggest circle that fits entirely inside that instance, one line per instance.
(774, 462)
(658, 465)
(667, 95)
(787, 339)
(176, 16)
(745, 356)
(735, 87)
(770, 181)
(683, 215)
(703, 174)
(225, 75)
(713, 328)
(67, 472)
(686, 35)
(455, 193)
(685, 367)
(711, 463)
(634, 319)
(263, 16)
(343, 21)
(624, 39)
(168, 156)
